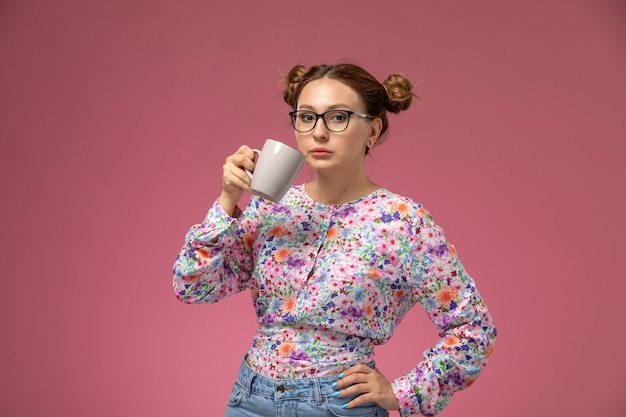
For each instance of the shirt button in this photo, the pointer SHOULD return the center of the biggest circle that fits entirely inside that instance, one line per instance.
(280, 389)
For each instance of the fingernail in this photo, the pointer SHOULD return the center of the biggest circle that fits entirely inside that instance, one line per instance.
(334, 384)
(335, 394)
(340, 375)
(345, 405)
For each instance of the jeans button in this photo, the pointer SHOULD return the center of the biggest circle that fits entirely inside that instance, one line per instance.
(280, 389)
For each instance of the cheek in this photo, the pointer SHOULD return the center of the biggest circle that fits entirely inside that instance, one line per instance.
(361, 137)
(300, 141)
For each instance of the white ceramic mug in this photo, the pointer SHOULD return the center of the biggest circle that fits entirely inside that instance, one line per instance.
(276, 168)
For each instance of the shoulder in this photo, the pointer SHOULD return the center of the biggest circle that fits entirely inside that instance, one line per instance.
(403, 204)
(398, 206)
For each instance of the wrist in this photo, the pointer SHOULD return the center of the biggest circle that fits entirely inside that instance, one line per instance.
(228, 204)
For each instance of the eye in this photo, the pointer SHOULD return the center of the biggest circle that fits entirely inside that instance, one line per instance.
(338, 116)
(306, 117)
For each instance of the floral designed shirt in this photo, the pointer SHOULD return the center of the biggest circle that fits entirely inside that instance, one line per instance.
(329, 283)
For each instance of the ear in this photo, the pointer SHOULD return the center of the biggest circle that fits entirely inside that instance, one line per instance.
(376, 126)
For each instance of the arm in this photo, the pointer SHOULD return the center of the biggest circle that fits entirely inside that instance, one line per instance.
(216, 260)
(449, 296)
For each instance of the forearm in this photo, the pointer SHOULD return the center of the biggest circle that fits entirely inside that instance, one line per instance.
(213, 263)
(450, 366)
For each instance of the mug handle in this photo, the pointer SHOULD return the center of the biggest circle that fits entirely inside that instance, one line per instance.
(258, 153)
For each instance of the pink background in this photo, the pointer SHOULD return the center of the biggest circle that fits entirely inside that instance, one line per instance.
(115, 119)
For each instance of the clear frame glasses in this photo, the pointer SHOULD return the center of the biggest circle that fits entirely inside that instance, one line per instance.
(334, 120)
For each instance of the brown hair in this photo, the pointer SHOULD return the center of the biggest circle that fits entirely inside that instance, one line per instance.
(393, 95)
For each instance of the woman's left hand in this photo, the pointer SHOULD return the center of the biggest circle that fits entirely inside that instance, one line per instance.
(370, 386)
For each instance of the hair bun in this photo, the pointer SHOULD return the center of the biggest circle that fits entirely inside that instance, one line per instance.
(398, 92)
(291, 81)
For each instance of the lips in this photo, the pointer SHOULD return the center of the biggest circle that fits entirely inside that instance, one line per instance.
(320, 152)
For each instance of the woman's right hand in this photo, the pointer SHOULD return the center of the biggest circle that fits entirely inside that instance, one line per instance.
(235, 180)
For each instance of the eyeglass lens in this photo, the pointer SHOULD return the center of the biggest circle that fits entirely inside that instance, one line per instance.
(334, 120)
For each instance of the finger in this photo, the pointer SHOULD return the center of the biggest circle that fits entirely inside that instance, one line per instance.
(360, 400)
(234, 176)
(240, 161)
(245, 149)
(354, 375)
(358, 369)
(246, 152)
(237, 164)
(237, 178)
(356, 389)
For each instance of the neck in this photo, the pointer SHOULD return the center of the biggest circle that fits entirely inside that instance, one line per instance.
(330, 190)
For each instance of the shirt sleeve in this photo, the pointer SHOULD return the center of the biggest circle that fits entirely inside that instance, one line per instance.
(449, 297)
(216, 259)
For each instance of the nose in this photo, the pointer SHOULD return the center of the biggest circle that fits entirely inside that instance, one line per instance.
(320, 133)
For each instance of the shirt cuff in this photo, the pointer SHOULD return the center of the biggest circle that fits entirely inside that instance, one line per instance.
(405, 395)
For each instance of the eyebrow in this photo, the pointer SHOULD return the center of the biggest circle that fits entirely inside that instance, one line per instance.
(333, 107)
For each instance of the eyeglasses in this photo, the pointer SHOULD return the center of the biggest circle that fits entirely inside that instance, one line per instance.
(334, 120)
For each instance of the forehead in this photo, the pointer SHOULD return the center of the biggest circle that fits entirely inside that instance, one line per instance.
(325, 92)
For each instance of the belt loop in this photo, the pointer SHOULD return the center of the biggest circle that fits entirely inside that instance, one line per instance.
(250, 378)
(318, 391)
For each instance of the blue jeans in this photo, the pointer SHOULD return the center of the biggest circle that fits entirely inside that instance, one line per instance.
(254, 395)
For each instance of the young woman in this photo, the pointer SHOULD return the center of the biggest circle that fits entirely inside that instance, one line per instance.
(334, 267)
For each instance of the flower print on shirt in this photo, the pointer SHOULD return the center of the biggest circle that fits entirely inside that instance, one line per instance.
(329, 283)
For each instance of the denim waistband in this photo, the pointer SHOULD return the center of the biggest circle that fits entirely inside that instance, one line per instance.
(283, 389)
